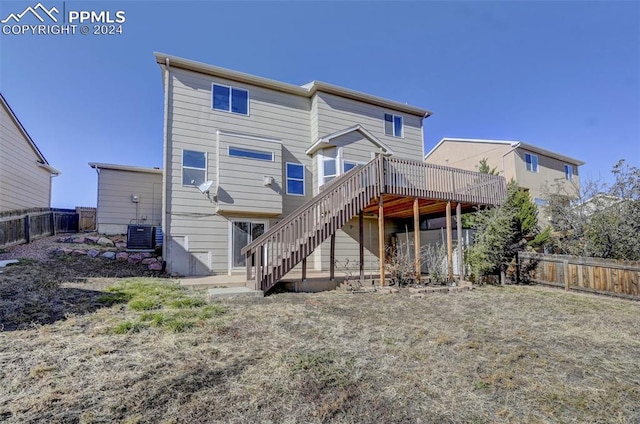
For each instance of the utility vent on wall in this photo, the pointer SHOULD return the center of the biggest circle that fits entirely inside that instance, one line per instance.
(140, 237)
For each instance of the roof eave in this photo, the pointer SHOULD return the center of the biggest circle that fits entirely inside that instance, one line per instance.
(307, 90)
(115, 167)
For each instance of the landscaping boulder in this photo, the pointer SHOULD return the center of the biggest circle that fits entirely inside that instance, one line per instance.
(121, 245)
(78, 252)
(156, 266)
(122, 256)
(91, 240)
(92, 253)
(105, 242)
(109, 255)
(135, 258)
(77, 240)
(148, 261)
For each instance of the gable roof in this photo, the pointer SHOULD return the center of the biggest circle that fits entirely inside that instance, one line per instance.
(326, 140)
(42, 161)
(97, 166)
(306, 90)
(512, 143)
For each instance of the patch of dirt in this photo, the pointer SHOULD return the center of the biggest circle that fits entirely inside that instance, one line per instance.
(43, 288)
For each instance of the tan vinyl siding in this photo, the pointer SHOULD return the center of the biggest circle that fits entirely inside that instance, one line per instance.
(116, 210)
(466, 155)
(23, 184)
(194, 126)
(348, 250)
(336, 113)
(549, 178)
(355, 147)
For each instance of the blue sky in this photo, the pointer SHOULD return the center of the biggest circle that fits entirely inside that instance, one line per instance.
(560, 75)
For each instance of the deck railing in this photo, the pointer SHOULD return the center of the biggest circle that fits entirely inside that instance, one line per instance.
(296, 236)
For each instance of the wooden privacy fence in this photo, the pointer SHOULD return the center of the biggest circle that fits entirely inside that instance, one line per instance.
(595, 275)
(24, 226)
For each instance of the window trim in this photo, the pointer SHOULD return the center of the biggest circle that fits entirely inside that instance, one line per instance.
(206, 165)
(231, 88)
(393, 125)
(526, 163)
(287, 178)
(568, 176)
(229, 147)
(230, 266)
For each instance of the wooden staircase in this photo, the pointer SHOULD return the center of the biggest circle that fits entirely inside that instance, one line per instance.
(272, 255)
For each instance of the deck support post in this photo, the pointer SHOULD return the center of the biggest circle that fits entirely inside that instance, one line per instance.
(258, 265)
(332, 258)
(361, 242)
(381, 238)
(460, 246)
(304, 270)
(449, 244)
(416, 237)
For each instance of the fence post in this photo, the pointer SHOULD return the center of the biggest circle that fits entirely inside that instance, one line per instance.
(517, 268)
(52, 219)
(565, 271)
(27, 228)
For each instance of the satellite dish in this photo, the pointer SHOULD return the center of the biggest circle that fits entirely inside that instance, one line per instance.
(205, 186)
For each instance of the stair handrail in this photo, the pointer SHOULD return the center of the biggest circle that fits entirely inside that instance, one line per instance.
(326, 192)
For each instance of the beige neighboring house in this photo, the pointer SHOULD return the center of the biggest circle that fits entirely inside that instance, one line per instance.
(127, 195)
(532, 167)
(242, 153)
(25, 174)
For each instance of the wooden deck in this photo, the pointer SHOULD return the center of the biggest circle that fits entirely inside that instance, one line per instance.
(386, 186)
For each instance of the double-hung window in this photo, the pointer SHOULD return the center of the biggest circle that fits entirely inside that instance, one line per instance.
(393, 125)
(531, 161)
(330, 168)
(230, 99)
(295, 179)
(194, 167)
(568, 172)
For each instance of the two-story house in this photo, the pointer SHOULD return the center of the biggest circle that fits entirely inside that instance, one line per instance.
(533, 168)
(242, 153)
(25, 174)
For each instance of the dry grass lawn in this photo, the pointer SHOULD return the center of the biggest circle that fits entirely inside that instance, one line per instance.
(513, 355)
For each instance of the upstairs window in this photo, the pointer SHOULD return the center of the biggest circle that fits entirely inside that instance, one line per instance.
(330, 169)
(568, 172)
(393, 125)
(532, 162)
(230, 99)
(239, 152)
(194, 167)
(295, 179)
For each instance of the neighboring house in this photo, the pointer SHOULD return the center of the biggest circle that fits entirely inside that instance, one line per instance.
(532, 167)
(242, 152)
(127, 195)
(25, 174)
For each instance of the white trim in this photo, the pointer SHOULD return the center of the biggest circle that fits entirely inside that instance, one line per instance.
(182, 167)
(393, 125)
(325, 141)
(231, 88)
(537, 168)
(229, 147)
(307, 90)
(286, 179)
(512, 143)
(571, 174)
(250, 136)
(98, 165)
(230, 266)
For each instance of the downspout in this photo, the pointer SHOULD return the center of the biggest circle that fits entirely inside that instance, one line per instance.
(217, 170)
(166, 250)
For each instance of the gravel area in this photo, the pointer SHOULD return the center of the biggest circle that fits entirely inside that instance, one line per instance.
(37, 250)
